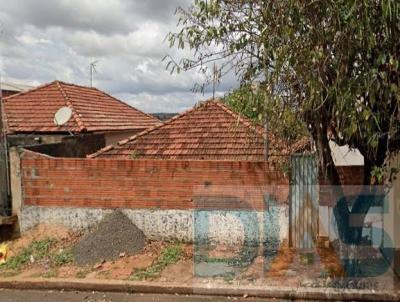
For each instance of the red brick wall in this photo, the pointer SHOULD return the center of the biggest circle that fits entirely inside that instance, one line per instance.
(166, 184)
(351, 177)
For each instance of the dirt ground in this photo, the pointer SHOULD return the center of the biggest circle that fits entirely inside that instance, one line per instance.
(184, 263)
(41, 232)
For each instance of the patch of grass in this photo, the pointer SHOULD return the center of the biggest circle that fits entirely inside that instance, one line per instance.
(6, 274)
(229, 277)
(37, 249)
(81, 274)
(50, 274)
(63, 257)
(169, 255)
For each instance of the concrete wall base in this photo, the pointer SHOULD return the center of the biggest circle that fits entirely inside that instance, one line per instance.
(219, 226)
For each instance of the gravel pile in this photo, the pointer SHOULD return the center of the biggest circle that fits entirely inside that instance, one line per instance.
(113, 236)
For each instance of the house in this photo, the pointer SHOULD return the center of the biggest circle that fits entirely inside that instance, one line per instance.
(210, 130)
(209, 144)
(96, 120)
(8, 88)
(29, 116)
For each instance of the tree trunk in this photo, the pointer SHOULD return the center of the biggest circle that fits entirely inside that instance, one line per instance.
(349, 230)
(329, 172)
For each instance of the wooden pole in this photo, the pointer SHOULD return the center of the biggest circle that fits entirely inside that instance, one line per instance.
(4, 181)
(266, 138)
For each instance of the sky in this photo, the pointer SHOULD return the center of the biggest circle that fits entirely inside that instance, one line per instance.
(45, 40)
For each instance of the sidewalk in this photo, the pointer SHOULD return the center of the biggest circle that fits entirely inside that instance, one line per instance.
(43, 260)
(197, 289)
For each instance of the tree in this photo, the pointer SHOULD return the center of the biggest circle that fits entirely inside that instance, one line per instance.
(334, 62)
(291, 130)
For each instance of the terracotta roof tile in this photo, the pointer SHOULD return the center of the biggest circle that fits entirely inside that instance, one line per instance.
(93, 110)
(208, 131)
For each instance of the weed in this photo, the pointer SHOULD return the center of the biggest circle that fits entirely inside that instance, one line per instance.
(62, 257)
(36, 250)
(50, 274)
(16, 262)
(169, 255)
(6, 274)
(229, 277)
(42, 247)
(136, 155)
(81, 274)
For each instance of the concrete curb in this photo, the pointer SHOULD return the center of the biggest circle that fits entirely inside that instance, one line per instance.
(197, 289)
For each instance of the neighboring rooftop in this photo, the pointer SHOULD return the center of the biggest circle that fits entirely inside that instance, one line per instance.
(345, 156)
(93, 110)
(163, 116)
(14, 87)
(210, 130)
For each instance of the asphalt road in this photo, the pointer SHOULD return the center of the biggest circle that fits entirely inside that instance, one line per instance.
(57, 296)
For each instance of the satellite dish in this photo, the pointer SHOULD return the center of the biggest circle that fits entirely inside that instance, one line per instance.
(62, 116)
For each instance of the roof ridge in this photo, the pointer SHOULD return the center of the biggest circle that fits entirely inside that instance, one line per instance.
(126, 104)
(109, 95)
(129, 139)
(247, 122)
(73, 84)
(244, 120)
(258, 128)
(68, 102)
(231, 136)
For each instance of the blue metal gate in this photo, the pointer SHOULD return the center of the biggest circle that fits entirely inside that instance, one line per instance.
(303, 217)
